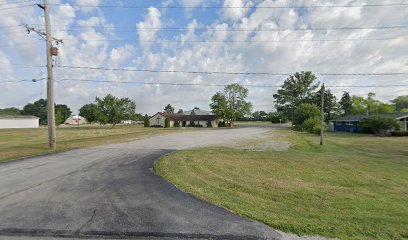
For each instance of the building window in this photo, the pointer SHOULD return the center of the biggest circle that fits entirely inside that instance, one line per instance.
(339, 123)
(349, 123)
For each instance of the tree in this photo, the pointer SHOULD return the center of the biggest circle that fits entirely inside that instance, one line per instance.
(277, 117)
(90, 112)
(180, 111)
(370, 105)
(146, 121)
(378, 124)
(346, 104)
(296, 89)
(38, 109)
(236, 106)
(219, 105)
(62, 113)
(304, 112)
(192, 112)
(196, 108)
(169, 109)
(260, 116)
(401, 102)
(330, 102)
(10, 111)
(113, 109)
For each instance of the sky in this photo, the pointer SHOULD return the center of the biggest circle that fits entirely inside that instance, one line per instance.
(200, 36)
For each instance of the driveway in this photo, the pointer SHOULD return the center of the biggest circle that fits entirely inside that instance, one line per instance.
(111, 192)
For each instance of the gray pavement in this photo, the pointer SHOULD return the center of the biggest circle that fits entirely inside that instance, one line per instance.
(110, 192)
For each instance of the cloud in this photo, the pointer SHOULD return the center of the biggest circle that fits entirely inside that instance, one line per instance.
(148, 28)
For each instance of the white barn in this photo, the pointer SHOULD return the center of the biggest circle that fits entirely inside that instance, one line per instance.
(19, 121)
(158, 120)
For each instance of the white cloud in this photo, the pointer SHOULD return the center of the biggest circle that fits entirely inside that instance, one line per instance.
(148, 28)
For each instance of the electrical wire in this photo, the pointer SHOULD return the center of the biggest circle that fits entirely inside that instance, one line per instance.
(237, 7)
(228, 73)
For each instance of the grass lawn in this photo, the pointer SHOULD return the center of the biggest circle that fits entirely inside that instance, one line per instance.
(354, 187)
(17, 143)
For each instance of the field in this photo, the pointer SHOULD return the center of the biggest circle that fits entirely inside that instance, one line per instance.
(17, 143)
(354, 187)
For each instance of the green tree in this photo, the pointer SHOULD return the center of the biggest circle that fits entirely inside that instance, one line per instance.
(113, 109)
(90, 112)
(330, 102)
(277, 117)
(236, 106)
(180, 111)
(176, 124)
(219, 105)
(401, 102)
(62, 113)
(379, 124)
(38, 109)
(10, 111)
(370, 105)
(146, 121)
(296, 89)
(193, 112)
(346, 104)
(304, 112)
(169, 109)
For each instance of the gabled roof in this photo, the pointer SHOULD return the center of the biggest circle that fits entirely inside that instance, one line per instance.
(358, 117)
(18, 117)
(182, 117)
(197, 112)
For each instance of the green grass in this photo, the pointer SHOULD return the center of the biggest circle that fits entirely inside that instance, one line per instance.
(354, 187)
(18, 143)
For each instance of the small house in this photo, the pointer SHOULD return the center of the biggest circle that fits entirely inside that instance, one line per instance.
(351, 123)
(158, 120)
(19, 121)
(75, 120)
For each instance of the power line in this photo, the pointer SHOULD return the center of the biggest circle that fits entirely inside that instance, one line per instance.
(228, 73)
(16, 7)
(238, 7)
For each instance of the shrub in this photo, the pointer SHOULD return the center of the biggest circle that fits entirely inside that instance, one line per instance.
(199, 125)
(146, 121)
(166, 123)
(378, 124)
(312, 125)
(176, 124)
(191, 124)
(209, 125)
(304, 112)
(399, 134)
(221, 124)
(278, 117)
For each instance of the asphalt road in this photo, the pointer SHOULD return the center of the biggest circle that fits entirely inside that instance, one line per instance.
(111, 192)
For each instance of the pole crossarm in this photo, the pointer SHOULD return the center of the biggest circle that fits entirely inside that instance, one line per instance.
(42, 34)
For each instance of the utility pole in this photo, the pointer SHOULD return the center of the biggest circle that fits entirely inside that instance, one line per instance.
(322, 110)
(50, 82)
(51, 51)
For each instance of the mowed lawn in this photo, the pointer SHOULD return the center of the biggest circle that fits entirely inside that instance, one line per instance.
(354, 187)
(17, 143)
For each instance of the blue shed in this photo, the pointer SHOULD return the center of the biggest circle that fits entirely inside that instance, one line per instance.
(350, 123)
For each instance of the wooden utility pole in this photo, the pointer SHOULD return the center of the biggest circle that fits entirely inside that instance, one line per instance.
(51, 51)
(50, 82)
(322, 110)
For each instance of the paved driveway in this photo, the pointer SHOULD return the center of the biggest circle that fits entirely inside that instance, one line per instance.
(111, 192)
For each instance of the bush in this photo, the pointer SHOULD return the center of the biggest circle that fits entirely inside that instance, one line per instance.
(176, 124)
(278, 117)
(303, 112)
(166, 123)
(399, 134)
(199, 125)
(146, 121)
(209, 125)
(221, 124)
(379, 125)
(191, 124)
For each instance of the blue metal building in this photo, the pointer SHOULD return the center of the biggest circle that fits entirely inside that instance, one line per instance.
(350, 123)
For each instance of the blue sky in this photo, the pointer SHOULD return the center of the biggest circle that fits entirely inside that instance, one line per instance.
(198, 36)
